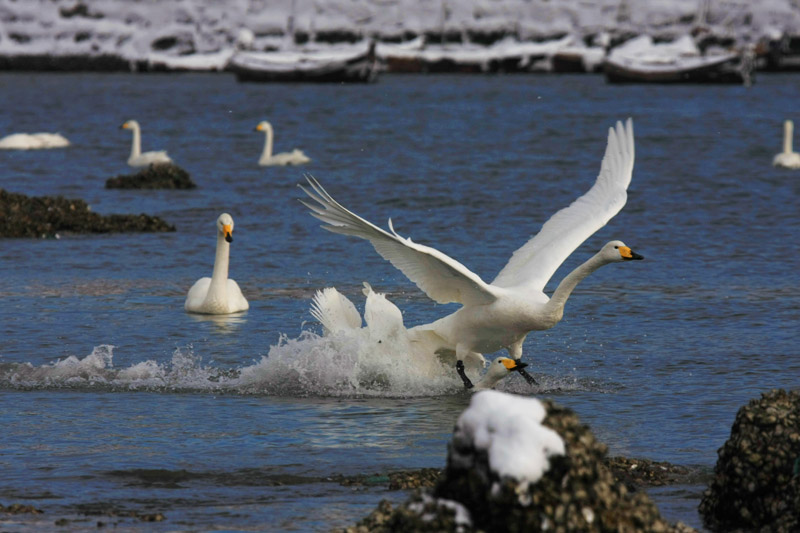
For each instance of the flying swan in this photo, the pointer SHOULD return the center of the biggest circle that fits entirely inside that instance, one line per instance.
(500, 314)
(295, 157)
(137, 158)
(787, 158)
(218, 295)
(33, 141)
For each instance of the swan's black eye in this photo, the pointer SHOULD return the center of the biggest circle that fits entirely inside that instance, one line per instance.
(616, 247)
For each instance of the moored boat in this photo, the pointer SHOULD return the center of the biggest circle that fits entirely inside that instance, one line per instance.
(350, 65)
(678, 62)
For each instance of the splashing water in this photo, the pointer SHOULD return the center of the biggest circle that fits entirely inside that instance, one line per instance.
(344, 364)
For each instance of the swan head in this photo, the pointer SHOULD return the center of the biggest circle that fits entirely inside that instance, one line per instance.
(263, 126)
(616, 251)
(129, 125)
(500, 368)
(225, 226)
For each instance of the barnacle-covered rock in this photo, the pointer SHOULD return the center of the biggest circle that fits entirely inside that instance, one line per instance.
(47, 216)
(576, 492)
(155, 176)
(756, 484)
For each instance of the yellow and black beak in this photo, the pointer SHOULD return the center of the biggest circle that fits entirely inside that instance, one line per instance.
(514, 364)
(628, 254)
(123, 126)
(227, 231)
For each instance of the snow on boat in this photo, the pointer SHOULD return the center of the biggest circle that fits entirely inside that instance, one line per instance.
(350, 65)
(641, 61)
(507, 55)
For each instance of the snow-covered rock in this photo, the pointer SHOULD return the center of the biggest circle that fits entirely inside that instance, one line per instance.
(509, 430)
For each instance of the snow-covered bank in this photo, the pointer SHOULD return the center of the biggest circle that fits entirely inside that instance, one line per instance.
(202, 34)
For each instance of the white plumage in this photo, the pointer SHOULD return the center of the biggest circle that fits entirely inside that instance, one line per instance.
(218, 295)
(295, 157)
(334, 311)
(137, 157)
(788, 158)
(33, 141)
(501, 314)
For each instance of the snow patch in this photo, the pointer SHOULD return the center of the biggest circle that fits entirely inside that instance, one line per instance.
(509, 428)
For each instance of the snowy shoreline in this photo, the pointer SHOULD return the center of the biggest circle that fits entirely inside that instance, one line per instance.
(115, 35)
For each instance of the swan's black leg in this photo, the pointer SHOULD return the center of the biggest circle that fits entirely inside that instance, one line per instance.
(460, 369)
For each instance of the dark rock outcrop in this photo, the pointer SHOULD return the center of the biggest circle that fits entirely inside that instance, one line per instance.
(756, 484)
(18, 508)
(45, 216)
(577, 493)
(161, 176)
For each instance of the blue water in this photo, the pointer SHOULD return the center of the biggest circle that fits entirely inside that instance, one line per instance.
(112, 399)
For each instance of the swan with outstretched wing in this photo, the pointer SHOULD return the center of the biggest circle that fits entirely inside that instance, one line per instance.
(500, 314)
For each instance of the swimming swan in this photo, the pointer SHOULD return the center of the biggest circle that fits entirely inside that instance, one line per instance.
(787, 158)
(218, 295)
(501, 314)
(137, 158)
(33, 141)
(295, 157)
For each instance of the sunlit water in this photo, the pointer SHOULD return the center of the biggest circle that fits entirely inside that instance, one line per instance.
(112, 399)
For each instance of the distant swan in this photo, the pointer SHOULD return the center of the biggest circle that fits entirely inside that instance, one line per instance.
(218, 295)
(500, 314)
(787, 158)
(137, 158)
(295, 157)
(33, 141)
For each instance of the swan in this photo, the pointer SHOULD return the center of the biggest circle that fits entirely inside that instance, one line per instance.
(218, 295)
(137, 158)
(499, 315)
(384, 324)
(33, 141)
(787, 158)
(500, 368)
(295, 157)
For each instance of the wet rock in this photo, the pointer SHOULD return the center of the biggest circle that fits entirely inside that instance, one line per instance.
(425, 478)
(18, 508)
(161, 176)
(577, 493)
(756, 485)
(399, 480)
(47, 216)
(639, 473)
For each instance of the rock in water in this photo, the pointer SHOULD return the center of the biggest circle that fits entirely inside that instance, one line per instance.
(576, 492)
(46, 216)
(156, 176)
(756, 484)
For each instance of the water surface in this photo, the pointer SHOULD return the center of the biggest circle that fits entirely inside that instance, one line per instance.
(115, 400)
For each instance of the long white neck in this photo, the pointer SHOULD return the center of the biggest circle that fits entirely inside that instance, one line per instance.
(568, 284)
(788, 133)
(219, 278)
(267, 153)
(136, 147)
